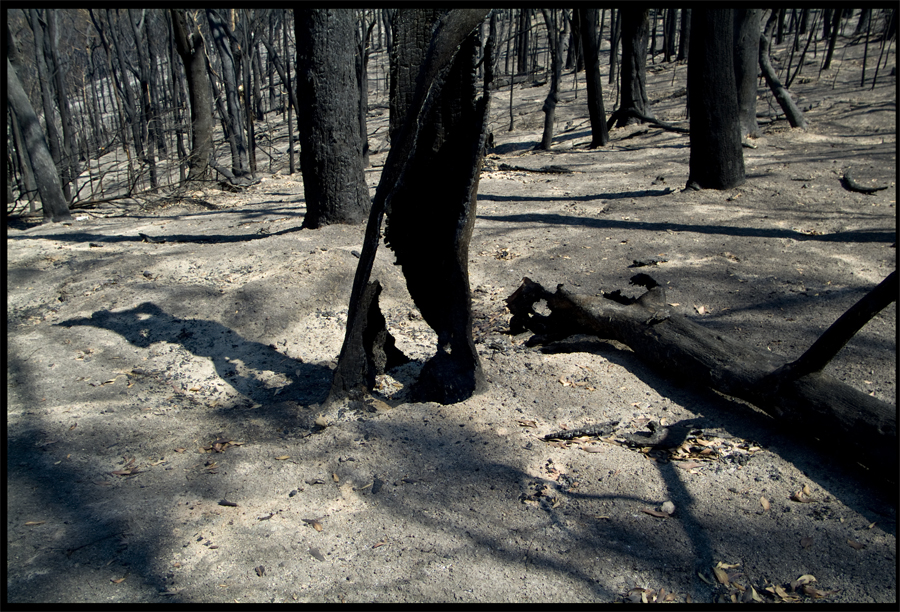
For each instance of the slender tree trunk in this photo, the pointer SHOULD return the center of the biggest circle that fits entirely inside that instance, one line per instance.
(684, 42)
(69, 166)
(635, 28)
(552, 99)
(746, 62)
(54, 141)
(835, 29)
(793, 114)
(591, 52)
(53, 202)
(233, 119)
(717, 159)
(328, 95)
(290, 87)
(192, 49)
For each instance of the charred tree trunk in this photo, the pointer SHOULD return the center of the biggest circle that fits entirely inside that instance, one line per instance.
(190, 46)
(443, 127)
(328, 118)
(635, 29)
(53, 201)
(835, 30)
(794, 115)
(717, 159)
(746, 60)
(552, 99)
(591, 53)
(362, 78)
(69, 162)
(233, 119)
(845, 420)
(410, 33)
(684, 42)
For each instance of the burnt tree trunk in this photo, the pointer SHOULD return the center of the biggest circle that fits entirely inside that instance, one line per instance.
(635, 30)
(684, 42)
(845, 420)
(746, 60)
(794, 115)
(192, 50)
(53, 201)
(328, 123)
(550, 102)
(717, 159)
(232, 120)
(591, 53)
(430, 225)
(411, 33)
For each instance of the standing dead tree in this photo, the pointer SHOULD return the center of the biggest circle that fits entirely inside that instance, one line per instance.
(446, 78)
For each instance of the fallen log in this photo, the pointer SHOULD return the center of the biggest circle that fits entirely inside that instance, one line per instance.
(851, 423)
(850, 184)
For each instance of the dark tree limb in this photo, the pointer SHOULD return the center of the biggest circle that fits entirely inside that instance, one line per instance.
(849, 421)
(794, 115)
(839, 334)
(851, 185)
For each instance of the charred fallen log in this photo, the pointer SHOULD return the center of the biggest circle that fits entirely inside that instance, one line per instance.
(849, 421)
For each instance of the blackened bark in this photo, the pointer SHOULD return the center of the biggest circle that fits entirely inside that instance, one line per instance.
(684, 42)
(328, 123)
(635, 30)
(844, 420)
(589, 40)
(146, 111)
(717, 159)
(550, 102)
(794, 115)
(835, 29)
(54, 142)
(69, 163)
(429, 228)
(615, 37)
(671, 29)
(411, 32)
(746, 62)
(233, 119)
(53, 201)
(190, 46)
(412, 154)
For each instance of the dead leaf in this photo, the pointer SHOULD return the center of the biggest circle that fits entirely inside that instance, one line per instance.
(118, 580)
(806, 490)
(705, 579)
(765, 504)
(225, 502)
(524, 423)
(33, 523)
(314, 523)
(195, 389)
(121, 472)
(260, 570)
(321, 421)
(781, 592)
(756, 596)
(335, 477)
(655, 513)
(804, 579)
(688, 465)
(315, 553)
(592, 448)
(700, 309)
(180, 450)
(282, 457)
(74, 425)
(721, 575)
(162, 460)
(871, 525)
(856, 545)
(806, 542)
(381, 543)
(801, 497)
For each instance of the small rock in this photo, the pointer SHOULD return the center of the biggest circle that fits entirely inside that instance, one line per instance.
(667, 507)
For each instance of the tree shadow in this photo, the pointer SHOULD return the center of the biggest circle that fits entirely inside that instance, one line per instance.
(868, 235)
(228, 351)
